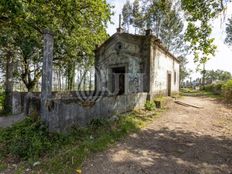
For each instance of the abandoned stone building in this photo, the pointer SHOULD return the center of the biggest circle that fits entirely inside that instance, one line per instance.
(130, 69)
(136, 63)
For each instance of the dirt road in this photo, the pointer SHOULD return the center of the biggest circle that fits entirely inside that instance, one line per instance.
(184, 140)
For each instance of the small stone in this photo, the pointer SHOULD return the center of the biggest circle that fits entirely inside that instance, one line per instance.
(36, 164)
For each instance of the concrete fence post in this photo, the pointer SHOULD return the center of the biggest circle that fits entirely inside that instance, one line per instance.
(46, 88)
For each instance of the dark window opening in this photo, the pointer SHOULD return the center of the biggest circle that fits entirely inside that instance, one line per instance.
(118, 80)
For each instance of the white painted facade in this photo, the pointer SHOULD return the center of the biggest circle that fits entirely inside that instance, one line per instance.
(149, 66)
(165, 64)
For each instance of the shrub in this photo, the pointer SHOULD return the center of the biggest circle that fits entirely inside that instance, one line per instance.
(214, 88)
(149, 105)
(208, 88)
(2, 98)
(227, 91)
(75, 146)
(27, 140)
(97, 123)
(218, 88)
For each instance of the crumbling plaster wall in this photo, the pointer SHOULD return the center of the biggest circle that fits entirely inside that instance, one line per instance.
(125, 52)
(66, 113)
(164, 64)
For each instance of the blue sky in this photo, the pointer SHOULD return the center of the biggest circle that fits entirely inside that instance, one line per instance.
(223, 58)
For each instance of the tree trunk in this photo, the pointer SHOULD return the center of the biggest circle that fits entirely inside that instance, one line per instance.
(59, 80)
(71, 76)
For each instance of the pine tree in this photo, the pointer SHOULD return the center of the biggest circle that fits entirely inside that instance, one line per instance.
(171, 31)
(228, 39)
(137, 16)
(127, 15)
(162, 16)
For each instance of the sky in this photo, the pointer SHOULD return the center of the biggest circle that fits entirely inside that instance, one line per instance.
(223, 57)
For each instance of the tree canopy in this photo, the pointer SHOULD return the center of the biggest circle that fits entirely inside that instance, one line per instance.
(228, 39)
(166, 18)
(217, 75)
(78, 26)
(160, 16)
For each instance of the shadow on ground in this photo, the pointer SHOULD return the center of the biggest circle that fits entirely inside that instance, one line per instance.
(168, 151)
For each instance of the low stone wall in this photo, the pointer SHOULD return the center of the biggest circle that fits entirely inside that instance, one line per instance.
(18, 99)
(65, 113)
(23, 101)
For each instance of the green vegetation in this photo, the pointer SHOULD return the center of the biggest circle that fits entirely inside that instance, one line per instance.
(217, 75)
(214, 88)
(2, 97)
(227, 91)
(31, 142)
(165, 18)
(222, 90)
(3, 166)
(228, 39)
(162, 17)
(27, 140)
(150, 105)
(196, 93)
(77, 26)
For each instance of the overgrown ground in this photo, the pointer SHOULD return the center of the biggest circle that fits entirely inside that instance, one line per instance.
(200, 93)
(27, 147)
(183, 140)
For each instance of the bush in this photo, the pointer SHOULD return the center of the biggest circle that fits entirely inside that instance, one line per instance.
(34, 140)
(214, 88)
(208, 88)
(149, 105)
(2, 98)
(227, 91)
(97, 123)
(27, 140)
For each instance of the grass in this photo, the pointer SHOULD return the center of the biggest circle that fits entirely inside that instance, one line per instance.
(3, 166)
(191, 92)
(66, 153)
(150, 105)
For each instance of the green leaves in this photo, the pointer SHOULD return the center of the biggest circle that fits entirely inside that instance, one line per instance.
(198, 34)
(162, 17)
(218, 75)
(77, 25)
(228, 39)
(127, 15)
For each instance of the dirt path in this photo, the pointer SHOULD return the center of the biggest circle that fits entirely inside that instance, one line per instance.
(184, 140)
(9, 120)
